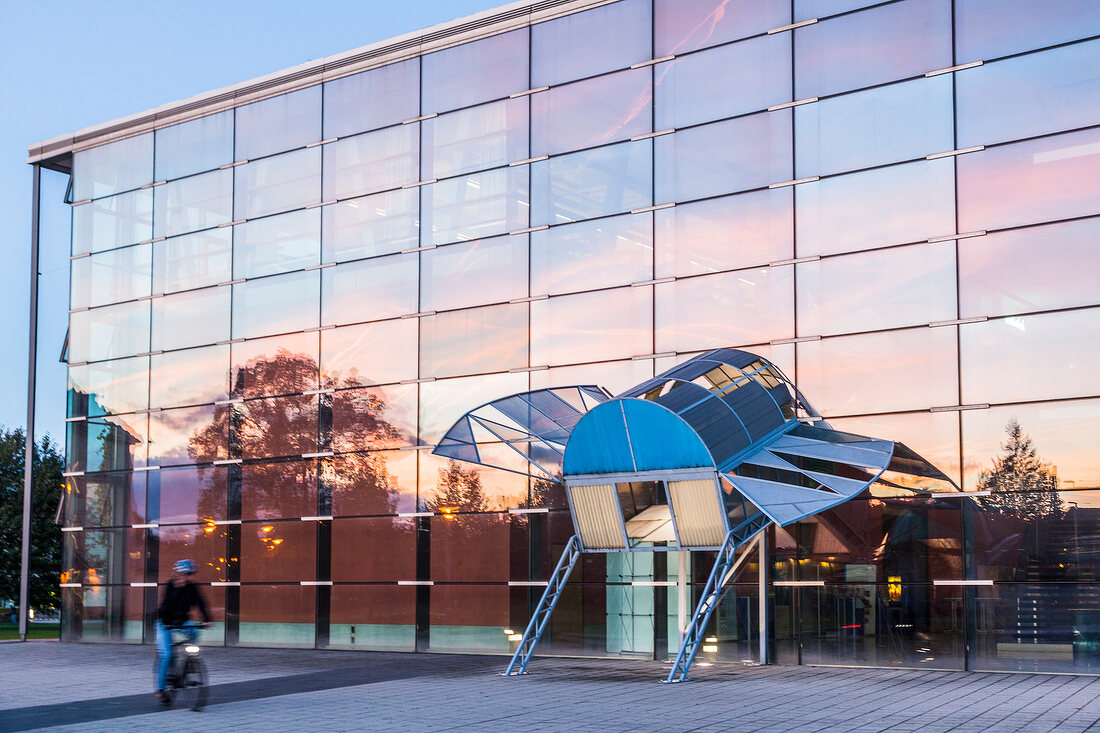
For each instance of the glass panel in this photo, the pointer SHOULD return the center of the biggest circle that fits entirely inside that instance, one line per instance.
(280, 123)
(191, 377)
(443, 402)
(374, 353)
(192, 494)
(205, 549)
(700, 87)
(193, 260)
(108, 500)
(274, 366)
(1009, 359)
(464, 487)
(188, 435)
(372, 482)
(989, 29)
(593, 112)
(1038, 180)
(883, 125)
(474, 139)
(279, 490)
(884, 289)
(109, 332)
(744, 307)
(276, 426)
(1032, 269)
(195, 146)
(279, 615)
(592, 183)
(393, 289)
(904, 203)
(686, 25)
(475, 72)
(376, 98)
(725, 233)
(880, 372)
(470, 618)
(113, 222)
(897, 40)
(371, 162)
(377, 550)
(747, 152)
(376, 617)
(933, 435)
(276, 184)
(460, 541)
(191, 319)
(486, 271)
(593, 254)
(616, 376)
(372, 418)
(611, 324)
(189, 204)
(277, 244)
(279, 304)
(110, 386)
(106, 443)
(474, 206)
(470, 341)
(111, 277)
(371, 225)
(114, 167)
(577, 45)
(806, 9)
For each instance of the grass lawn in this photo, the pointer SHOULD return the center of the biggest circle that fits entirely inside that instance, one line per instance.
(34, 631)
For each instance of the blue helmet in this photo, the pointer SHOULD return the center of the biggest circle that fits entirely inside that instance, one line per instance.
(184, 567)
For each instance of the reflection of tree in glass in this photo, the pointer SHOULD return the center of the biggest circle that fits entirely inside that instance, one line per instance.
(1022, 485)
(545, 493)
(459, 490)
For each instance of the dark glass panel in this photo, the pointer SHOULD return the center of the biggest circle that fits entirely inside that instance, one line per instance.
(114, 167)
(597, 182)
(193, 147)
(377, 617)
(188, 435)
(470, 618)
(194, 203)
(372, 162)
(193, 260)
(686, 25)
(191, 494)
(371, 482)
(574, 328)
(372, 418)
(104, 557)
(113, 222)
(276, 426)
(490, 339)
(106, 443)
(474, 139)
(592, 254)
(375, 98)
(376, 550)
(111, 277)
(277, 244)
(373, 353)
(578, 45)
(203, 544)
(444, 401)
(491, 68)
(192, 318)
(109, 332)
(372, 225)
(281, 123)
(115, 386)
(274, 366)
(106, 500)
(486, 271)
(279, 304)
(462, 542)
(474, 206)
(280, 183)
(988, 29)
(278, 615)
(285, 490)
(393, 289)
(592, 112)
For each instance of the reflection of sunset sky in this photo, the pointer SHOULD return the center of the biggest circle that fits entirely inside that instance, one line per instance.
(592, 254)
(380, 224)
(591, 326)
(357, 353)
(189, 377)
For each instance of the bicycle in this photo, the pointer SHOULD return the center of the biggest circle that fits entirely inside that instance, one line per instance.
(186, 672)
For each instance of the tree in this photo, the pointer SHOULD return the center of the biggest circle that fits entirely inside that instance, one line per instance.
(45, 565)
(1022, 485)
(459, 490)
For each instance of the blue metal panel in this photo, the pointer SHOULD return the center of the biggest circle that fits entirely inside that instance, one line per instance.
(599, 443)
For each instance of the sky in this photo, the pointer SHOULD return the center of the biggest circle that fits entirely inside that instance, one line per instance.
(69, 64)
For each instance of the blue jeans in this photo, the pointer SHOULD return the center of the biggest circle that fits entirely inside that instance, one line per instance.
(164, 648)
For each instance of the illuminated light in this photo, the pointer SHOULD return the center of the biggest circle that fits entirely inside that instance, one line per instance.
(209, 528)
(710, 647)
(711, 640)
(30, 613)
(509, 632)
(703, 664)
(515, 637)
(893, 587)
(266, 528)
(277, 541)
(191, 649)
(852, 626)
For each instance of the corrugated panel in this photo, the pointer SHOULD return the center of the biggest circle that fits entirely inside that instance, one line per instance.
(699, 516)
(599, 519)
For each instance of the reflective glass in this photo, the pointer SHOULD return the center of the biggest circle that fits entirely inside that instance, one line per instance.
(115, 386)
(491, 339)
(374, 161)
(474, 139)
(491, 68)
(742, 77)
(372, 418)
(372, 482)
(471, 618)
(474, 206)
(391, 283)
(725, 233)
(276, 184)
(616, 376)
(189, 204)
(187, 435)
(107, 500)
(275, 366)
(379, 617)
(278, 615)
(578, 45)
(747, 152)
(375, 98)
(279, 490)
(465, 487)
(486, 271)
(279, 304)
(444, 401)
(111, 277)
(904, 203)
(372, 225)
(611, 324)
(109, 332)
(200, 145)
(190, 494)
(806, 9)
(114, 167)
(205, 548)
(686, 25)
(596, 182)
(460, 540)
(989, 29)
(592, 254)
(744, 307)
(193, 260)
(281, 123)
(592, 112)
(107, 443)
(933, 435)
(277, 244)
(896, 40)
(276, 426)
(887, 288)
(883, 125)
(375, 550)
(190, 377)
(291, 560)
(193, 318)
(373, 353)
(113, 222)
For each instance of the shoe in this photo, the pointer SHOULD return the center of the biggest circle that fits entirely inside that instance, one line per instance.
(162, 698)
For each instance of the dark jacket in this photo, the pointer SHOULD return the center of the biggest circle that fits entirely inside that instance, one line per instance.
(176, 604)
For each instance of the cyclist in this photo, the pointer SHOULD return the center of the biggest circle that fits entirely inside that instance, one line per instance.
(180, 596)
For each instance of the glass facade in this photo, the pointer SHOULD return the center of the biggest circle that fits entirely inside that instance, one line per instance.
(278, 309)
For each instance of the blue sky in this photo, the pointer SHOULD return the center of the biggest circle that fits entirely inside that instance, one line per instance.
(65, 65)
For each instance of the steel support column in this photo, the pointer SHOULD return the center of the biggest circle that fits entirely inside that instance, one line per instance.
(28, 446)
(762, 559)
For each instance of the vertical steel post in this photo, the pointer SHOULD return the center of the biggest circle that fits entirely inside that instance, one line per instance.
(762, 557)
(681, 596)
(28, 446)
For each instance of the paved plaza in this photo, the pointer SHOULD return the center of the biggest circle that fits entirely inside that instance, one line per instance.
(81, 687)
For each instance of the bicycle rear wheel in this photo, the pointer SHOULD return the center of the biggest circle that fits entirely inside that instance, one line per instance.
(192, 689)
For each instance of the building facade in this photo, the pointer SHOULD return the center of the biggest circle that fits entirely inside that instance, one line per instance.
(285, 293)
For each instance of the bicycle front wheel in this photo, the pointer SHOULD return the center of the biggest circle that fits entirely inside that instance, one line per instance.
(192, 690)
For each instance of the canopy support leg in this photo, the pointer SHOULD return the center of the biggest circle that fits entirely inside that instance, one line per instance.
(541, 618)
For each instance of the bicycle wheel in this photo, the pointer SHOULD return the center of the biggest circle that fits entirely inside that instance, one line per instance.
(192, 690)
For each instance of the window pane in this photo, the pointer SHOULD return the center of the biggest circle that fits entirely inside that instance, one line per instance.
(491, 68)
(371, 162)
(578, 45)
(375, 482)
(390, 543)
(279, 490)
(904, 203)
(726, 233)
(592, 254)
(687, 25)
(193, 260)
(486, 271)
(616, 376)
(373, 418)
(191, 377)
(592, 112)
(806, 9)
(872, 290)
(278, 365)
(474, 139)
(277, 244)
(491, 339)
(443, 402)
(747, 152)
(277, 426)
(281, 123)
(279, 304)
(745, 307)
(897, 40)
(111, 277)
(374, 353)
(499, 489)
(1038, 180)
(474, 206)
(592, 183)
(382, 617)
(183, 436)
(113, 222)
(933, 435)
(723, 82)
(107, 443)
(191, 319)
(376, 98)
(611, 324)
(195, 146)
(393, 289)
(989, 29)
(111, 387)
(294, 559)
(278, 615)
(189, 204)
(192, 494)
(109, 332)
(373, 225)
(883, 125)
(277, 184)
(114, 167)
